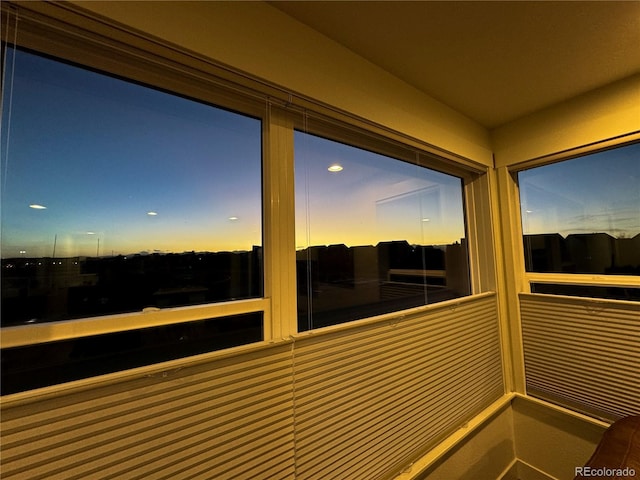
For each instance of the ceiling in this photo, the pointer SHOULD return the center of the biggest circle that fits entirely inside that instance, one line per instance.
(492, 61)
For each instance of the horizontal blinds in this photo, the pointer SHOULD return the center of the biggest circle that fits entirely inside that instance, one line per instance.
(358, 402)
(227, 419)
(583, 353)
(369, 401)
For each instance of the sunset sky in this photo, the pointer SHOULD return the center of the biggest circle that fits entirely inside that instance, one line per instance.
(372, 199)
(123, 169)
(102, 154)
(597, 193)
(92, 165)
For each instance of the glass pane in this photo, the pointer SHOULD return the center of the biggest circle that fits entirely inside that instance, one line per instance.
(117, 197)
(612, 293)
(583, 215)
(373, 234)
(44, 364)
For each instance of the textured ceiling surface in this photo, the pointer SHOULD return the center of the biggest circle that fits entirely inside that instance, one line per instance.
(492, 61)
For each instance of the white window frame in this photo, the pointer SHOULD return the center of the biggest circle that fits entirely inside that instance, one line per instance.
(66, 32)
(579, 279)
(136, 61)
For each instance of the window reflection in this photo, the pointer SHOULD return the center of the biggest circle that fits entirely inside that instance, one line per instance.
(376, 236)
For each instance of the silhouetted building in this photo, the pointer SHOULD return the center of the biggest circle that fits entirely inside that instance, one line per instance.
(545, 253)
(591, 252)
(627, 256)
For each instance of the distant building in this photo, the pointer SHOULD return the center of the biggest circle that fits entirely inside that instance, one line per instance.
(627, 255)
(545, 252)
(582, 253)
(591, 252)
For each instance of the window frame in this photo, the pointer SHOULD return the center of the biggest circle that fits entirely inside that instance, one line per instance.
(139, 62)
(355, 136)
(67, 32)
(568, 279)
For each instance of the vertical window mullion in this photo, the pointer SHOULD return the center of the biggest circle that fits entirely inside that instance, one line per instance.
(279, 228)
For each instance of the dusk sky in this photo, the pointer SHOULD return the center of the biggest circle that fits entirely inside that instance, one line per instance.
(103, 156)
(372, 199)
(123, 169)
(597, 193)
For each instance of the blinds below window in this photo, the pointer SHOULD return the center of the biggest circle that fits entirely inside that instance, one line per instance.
(372, 401)
(228, 419)
(583, 353)
(358, 402)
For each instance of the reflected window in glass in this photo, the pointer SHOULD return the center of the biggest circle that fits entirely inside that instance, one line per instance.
(373, 234)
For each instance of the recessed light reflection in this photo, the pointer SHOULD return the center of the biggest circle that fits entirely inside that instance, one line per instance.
(152, 214)
(35, 206)
(233, 219)
(426, 219)
(335, 168)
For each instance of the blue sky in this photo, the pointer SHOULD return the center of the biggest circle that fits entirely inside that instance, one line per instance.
(100, 154)
(373, 199)
(597, 193)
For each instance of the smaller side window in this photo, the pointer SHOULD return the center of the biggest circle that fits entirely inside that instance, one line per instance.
(582, 216)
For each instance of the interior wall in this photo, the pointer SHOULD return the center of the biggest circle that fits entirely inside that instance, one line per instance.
(262, 41)
(523, 439)
(603, 114)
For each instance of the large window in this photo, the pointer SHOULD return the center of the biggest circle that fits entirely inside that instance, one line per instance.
(582, 216)
(117, 197)
(373, 234)
(132, 208)
(120, 198)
